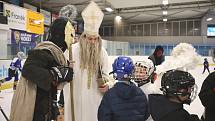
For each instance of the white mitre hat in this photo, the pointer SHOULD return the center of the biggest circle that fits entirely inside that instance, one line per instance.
(93, 17)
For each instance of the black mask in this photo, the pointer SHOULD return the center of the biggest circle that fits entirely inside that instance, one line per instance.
(56, 33)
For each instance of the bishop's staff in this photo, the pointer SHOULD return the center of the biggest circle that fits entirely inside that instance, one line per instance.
(70, 12)
(71, 86)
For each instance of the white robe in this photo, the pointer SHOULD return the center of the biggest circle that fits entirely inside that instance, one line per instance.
(86, 101)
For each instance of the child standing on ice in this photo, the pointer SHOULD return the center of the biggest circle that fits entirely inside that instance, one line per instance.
(125, 101)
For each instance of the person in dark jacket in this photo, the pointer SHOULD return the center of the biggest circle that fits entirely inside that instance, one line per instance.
(46, 69)
(207, 97)
(177, 87)
(125, 101)
(158, 56)
(206, 66)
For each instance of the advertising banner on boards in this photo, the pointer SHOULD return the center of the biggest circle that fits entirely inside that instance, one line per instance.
(23, 41)
(16, 16)
(35, 22)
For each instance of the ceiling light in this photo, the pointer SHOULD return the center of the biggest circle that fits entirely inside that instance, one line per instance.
(164, 12)
(165, 2)
(209, 19)
(118, 18)
(165, 19)
(108, 9)
(196, 29)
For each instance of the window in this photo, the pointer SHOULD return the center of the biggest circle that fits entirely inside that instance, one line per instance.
(190, 28)
(160, 29)
(167, 29)
(183, 31)
(146, 29)
(175, 28)
(154, 29)
(126, 30)
(140, 30)
(197, 30)
(133, 30)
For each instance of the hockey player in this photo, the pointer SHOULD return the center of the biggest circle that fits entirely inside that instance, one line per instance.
(178, 88)
(144, 76)
(206, 66)
(44, 71)
(15, 66)
(207, 97)
(144, 72)
(125, 101)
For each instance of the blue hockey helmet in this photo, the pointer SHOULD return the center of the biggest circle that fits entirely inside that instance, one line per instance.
(123, 67)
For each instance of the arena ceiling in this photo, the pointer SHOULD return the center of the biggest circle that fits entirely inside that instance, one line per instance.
(137, 10)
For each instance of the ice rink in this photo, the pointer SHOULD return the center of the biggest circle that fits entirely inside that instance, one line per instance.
(195, 107)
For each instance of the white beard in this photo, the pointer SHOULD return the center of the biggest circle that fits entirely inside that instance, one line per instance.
(89, 55)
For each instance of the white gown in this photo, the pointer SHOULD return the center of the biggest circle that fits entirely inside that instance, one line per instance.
(86, 101)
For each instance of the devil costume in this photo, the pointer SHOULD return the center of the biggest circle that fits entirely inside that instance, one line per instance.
(44, 70)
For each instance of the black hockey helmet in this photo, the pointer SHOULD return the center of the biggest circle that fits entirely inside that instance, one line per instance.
(174, 80)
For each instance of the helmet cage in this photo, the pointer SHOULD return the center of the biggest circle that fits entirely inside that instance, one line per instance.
(143, 72)
(175, 93)
(175, 83)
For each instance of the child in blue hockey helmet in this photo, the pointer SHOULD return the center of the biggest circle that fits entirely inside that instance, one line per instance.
(125, 101)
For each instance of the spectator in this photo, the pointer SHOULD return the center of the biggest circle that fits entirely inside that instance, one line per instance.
(158, 56)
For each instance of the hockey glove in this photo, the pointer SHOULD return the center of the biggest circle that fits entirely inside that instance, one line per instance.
(62, 74)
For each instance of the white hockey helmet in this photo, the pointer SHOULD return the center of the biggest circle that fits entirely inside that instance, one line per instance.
(144, 71)
(21, 55)
(146, 63)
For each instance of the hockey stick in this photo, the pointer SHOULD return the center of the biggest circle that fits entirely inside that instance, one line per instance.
(4, 113)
